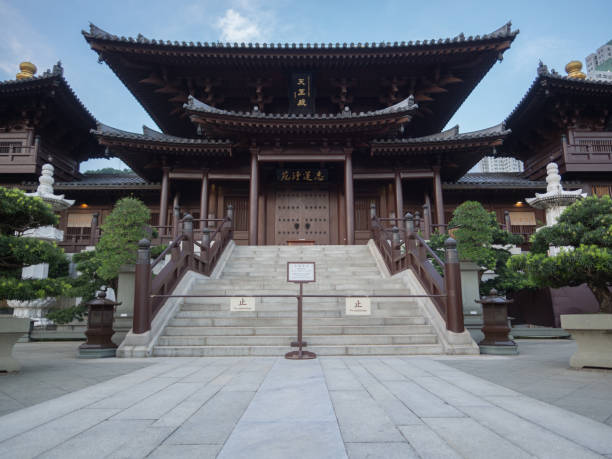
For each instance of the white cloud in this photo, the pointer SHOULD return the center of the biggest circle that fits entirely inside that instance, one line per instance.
(238, 28)
(20, 41)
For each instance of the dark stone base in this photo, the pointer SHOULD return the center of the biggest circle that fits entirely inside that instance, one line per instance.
(97, 353)
(498, 350)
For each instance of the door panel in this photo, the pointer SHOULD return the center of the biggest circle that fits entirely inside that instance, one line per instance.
(302, 215)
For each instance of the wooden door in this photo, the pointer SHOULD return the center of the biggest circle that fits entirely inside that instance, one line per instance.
(302, 215)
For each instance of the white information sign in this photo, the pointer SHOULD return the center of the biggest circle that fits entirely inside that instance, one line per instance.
(358, 307)
(300, 271)
(242, 303)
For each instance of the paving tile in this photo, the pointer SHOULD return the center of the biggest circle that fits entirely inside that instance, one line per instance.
(380, 451)
(448, 392)
(381, 371)
(535, 439)
(282, 440)
(361, 419)
(185, 409)
(98, 441)
(47, 436)
(472, 440)
(159, 403)
(214, 421)
(477, 386)
(584, 431)
(427, 443)
(140, 445)
(395, 409)
(405, 367)
(341, 379)
(124, 399)
(186, 452)
(420, 401)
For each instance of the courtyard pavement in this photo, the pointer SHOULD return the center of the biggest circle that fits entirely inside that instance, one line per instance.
(331, 407)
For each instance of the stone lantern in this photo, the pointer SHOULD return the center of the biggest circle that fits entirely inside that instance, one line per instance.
(495, 316)
(100, 318)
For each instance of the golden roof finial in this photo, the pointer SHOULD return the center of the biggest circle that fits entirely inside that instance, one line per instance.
(573, 69)
(27, 70)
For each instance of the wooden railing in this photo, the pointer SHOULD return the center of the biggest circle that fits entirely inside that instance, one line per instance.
(404, 248)
(78, 238)
(150, 288)
(588, 148)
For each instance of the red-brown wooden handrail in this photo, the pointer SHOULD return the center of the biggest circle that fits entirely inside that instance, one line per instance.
(150, 290)
(403, 249)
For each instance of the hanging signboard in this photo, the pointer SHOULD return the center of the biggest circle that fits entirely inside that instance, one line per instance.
(301, 96)
(314, 175)
(358, 307)
(243, 303)
(301, 272)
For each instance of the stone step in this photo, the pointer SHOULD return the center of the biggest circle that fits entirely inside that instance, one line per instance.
(291, 322)
(289, 310)
(285, 340)
(416, 329)
(226, 351)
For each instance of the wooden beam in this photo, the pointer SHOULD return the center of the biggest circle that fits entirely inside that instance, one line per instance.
(297, 158)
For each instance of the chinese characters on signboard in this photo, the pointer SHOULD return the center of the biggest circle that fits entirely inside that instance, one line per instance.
(301, 99)
(301, 175)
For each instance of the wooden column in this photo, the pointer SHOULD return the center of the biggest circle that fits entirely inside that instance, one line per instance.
(349, 198)
(253, 199)
(399, 196)
(163, 201)
(204, 198)
(427, 216)
(438, 198)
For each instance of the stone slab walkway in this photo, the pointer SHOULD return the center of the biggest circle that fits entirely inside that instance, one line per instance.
(385, 407)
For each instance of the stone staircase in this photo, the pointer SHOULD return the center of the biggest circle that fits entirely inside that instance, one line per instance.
(206, 327)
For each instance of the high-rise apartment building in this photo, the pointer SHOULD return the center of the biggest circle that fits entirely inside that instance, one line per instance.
(599, 64)
(491, 164)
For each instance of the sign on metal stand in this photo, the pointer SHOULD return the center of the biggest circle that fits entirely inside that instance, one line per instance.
(300, 273)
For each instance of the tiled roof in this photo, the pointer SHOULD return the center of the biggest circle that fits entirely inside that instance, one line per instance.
(495, 180)
(545, 78)
(49, 77)
(97, 33)
(405, 105)
(152, 135)
(122, 181)
(450, 135)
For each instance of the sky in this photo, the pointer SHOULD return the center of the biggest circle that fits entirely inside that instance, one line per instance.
(44, 32)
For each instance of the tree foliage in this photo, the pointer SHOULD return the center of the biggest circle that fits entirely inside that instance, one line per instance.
(584, 231)
(481, 240)
(123, 228)
(19, 213)
(109, 170)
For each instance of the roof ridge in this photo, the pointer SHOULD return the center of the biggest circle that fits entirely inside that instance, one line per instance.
(96, 32)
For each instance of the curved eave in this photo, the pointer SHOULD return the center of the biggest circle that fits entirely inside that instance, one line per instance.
(452, 145)
(149, 145)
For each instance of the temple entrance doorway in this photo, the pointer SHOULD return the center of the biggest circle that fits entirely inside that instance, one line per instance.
(302, 215)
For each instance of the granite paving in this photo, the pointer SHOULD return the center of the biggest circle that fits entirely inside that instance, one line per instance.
(330, 407)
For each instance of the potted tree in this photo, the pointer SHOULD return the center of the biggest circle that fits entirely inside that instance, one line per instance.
(584, 234)
(19, 213)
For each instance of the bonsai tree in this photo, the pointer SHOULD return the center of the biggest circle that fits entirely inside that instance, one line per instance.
(123, 228)
(481, 240)
(19, 213)
(584, 232)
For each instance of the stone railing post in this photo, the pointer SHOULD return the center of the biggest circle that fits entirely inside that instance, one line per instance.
(187, 244)
(417, 221)
(372, 211)
(452, 282)
(142, 282)
(230, 214)
(176, 216)
(93, 237)
(507, 221)
(409, 227)
(426, 222)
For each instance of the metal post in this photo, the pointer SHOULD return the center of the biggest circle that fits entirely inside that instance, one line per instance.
(142, 275)
(452, 282)
(300, 354)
